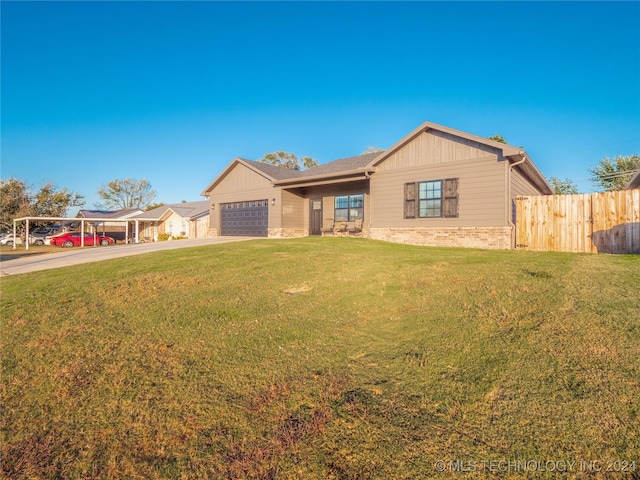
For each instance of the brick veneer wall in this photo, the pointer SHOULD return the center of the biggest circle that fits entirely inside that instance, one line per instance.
(491, 238)
(287, 232)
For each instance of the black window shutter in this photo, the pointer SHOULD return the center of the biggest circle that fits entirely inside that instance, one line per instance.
(410, 200)
(450, 194)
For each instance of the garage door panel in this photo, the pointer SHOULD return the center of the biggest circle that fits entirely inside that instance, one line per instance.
(250, 218)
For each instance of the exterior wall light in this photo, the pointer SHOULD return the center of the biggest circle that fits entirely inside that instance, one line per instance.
(273, 202)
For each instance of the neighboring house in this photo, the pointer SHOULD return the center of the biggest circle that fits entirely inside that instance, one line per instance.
(437, 186)
(635, 182)
(109, 227)
(186, 219)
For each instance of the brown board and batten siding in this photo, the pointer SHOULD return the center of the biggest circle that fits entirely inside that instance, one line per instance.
(434, 147)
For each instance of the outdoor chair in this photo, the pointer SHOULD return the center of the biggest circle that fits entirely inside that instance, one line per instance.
(327, 228)
(357, 227)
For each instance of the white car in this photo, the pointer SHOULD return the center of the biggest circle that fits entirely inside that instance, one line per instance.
(7, 239)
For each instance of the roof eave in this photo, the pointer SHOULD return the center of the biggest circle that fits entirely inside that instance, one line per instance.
(360, 173)
(634, 182)
(530, 169)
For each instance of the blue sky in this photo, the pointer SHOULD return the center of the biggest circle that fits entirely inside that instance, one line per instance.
(173, 91)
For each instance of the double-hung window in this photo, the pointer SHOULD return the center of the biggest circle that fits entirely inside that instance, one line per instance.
(431, 199)
(349, 208)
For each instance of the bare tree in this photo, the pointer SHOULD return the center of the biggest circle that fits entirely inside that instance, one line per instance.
(127, 193)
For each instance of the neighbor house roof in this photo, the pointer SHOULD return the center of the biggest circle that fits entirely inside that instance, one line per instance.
(635, 182)
(188, 210)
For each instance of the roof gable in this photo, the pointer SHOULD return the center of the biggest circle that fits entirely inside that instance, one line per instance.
(269, 172)
(504, 151)
(481, 142)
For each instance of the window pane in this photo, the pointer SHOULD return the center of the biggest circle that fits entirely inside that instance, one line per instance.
(429, 190)
(342, 215)
(430, 208)
(355, 213)
(422, 190)
(342, 202)
(356, 201)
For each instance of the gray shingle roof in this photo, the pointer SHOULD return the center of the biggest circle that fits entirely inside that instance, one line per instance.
(274, 171)
(336, 166)
(184, 209)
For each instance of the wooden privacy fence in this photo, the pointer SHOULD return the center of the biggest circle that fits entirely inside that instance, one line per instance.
(606, 222)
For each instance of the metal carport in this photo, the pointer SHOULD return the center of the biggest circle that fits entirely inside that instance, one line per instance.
(74, 220)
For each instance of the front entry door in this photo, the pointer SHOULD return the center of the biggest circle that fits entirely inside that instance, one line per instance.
(315, 217)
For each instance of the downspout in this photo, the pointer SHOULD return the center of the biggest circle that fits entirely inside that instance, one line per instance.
(370, 215)
(510, 211)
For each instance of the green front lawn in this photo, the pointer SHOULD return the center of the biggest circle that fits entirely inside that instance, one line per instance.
(321, 358)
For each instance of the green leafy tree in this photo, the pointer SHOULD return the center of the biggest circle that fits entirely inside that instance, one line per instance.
(127, 193)
(498, 138)
(51, 202)
(563, 187)
(614, 173)
(288, 160)
(14, 202)
(17, 199)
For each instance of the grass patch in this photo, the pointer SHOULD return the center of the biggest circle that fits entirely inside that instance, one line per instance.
(319, 358)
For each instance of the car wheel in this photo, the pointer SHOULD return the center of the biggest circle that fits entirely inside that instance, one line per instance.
(10, 243)
(39, 242)
(104, 241)
(67, 244)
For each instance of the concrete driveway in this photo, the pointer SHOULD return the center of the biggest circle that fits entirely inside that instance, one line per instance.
(34, 263)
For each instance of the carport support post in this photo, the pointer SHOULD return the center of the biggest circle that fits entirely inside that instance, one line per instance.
(137, 239)
(26, 238)
(82, 233)
(14, 234)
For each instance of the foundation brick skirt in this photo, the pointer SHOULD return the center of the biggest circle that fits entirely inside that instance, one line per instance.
(490, 238)
(287, 232)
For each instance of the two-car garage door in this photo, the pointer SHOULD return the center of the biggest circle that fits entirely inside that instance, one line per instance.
(245, 218)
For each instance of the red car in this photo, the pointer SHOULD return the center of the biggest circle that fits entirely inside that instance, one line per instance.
(73, 239)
